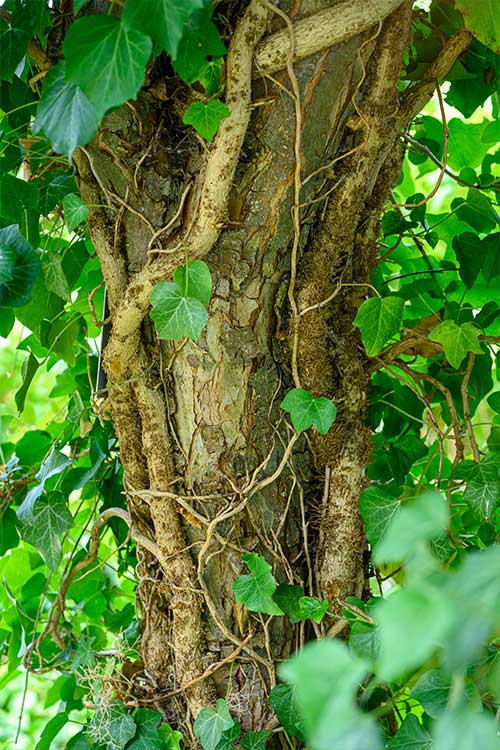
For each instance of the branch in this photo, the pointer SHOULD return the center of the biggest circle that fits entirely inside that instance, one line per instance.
(319, 31)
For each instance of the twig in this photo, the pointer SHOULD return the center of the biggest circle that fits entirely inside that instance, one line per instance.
(465, 401)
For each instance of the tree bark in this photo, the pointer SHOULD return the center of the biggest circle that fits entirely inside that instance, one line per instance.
(287, 220)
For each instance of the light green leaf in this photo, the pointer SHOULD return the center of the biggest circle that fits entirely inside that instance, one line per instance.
(255, 740)
(312, 608)
(305, 410)
(417, 522)
(54, 276)
(163, 20)
(457, 340)
(463, 729)
(51, 730)
(106, 60)
(283, 701)
(64, 114)
(19, 267)
(146, 737)
(419, 616)
(51, 518)
(176, 315)
(197, 284)
(364, 641)
(75, 211)
(482, 18)
(171, 737)
(378, 321)
(211, 723)
(206, 118)
(411, 735)
(255, 590)
(377, 508)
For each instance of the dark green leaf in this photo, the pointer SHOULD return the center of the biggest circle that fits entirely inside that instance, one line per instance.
(255, 740)
(306, 411)
(54, 464)
(146, 737)
(75, 211)
(432, 691)
(377, 508)
(200, 39)
(50, 519)
(19, 268)
(206, 118)
(51, 730)
(283, 701)
(163, 20)
(106, 59)
(64, 114)
(411, 735)
(378, 321)
(255, 590)
(29, 369)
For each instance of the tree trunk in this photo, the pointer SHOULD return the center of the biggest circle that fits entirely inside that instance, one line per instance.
(287, 222)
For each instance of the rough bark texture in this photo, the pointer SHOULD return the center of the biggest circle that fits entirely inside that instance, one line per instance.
(212, 469)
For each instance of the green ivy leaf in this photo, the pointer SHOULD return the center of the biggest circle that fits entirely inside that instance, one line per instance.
(411, 735)
(163, 20)
(55, 463)
(19, 204)
(9, 538)
(432, 691)
(64, 114)
(19, 267)
(206, 118)
(28, 371)
(305, 410)
(209, 76)
(211, 723)
(176, 315)
(364, 640)
(54, 276)
(255, 740)
(377, 508)
(106, 59)
(50, 519)
(378, 321)
(255, 591)
(51, 730)
(312, 608)
(283, 701)
(75, 211)
(147, 736)
(16, 33)
(81, 741)
(482, 493)
(171, 737)
(195, 282)
(417, 522)
(200, 39)
(291, 600)
(457, 340)
(481, 17)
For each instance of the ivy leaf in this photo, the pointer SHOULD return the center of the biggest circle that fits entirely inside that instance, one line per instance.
(200, 39)
(54, 464)
(19, 204)
(206, 118)
(312, 608)
(176, 315)
(378, 321)
(432, 692)
(255, 740)
(481, 17)
(417, 522)
(75, 211)
(54, 276)
(163, 20)
(51, 730)
(81, 741)
(209, 76)
(64, 114)
(377, 508)
(306, 410)
(411, 735)
(291, 600)
(16, 33)
(19, 267)
(197, 282)
(113, 725)
(482, 493)
(28, 371)
(255, 590)
(50, 519)
(283, 701)
(106, 60)
(146, 737)
(211, 723)
(171, 737)
(457, 340)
